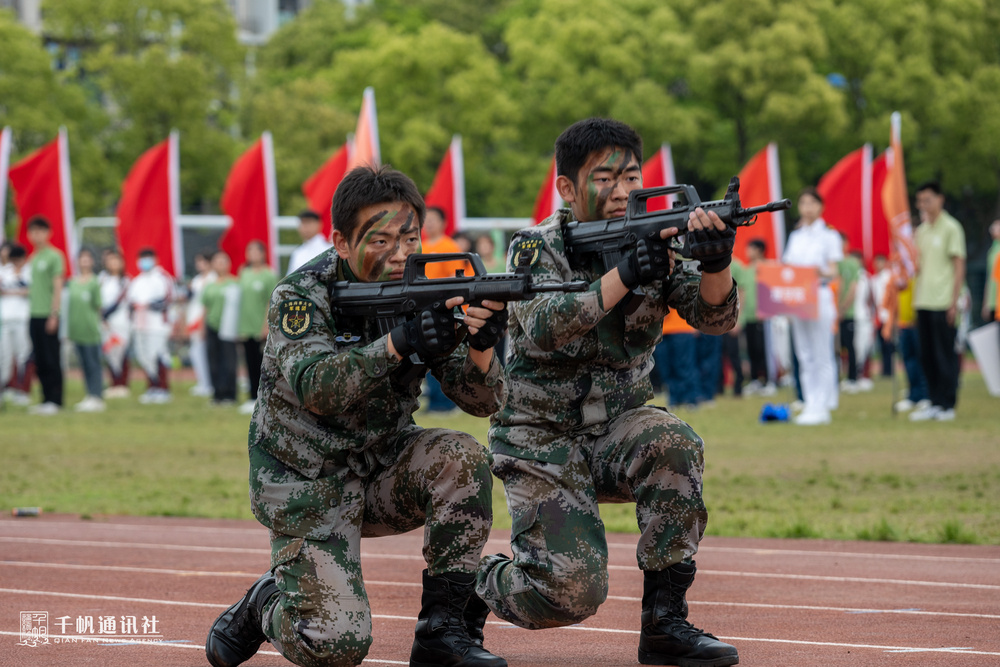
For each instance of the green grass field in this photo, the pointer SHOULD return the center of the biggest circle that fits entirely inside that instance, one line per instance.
(868, 476)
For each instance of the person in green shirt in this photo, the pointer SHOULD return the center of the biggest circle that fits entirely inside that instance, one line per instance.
(45, 297)
(849, 269)
(257, 281)
(749, 324)
(990, 290)
(84, 329)
(940, 242)
(221, 347)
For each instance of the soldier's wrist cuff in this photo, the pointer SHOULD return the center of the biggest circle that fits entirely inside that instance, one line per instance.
(398, 338)
(715, 265)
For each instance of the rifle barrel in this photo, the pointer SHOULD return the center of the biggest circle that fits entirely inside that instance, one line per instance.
(575, 286)
(770, 207)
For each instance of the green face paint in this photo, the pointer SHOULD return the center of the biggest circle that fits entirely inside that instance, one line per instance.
(383, 219)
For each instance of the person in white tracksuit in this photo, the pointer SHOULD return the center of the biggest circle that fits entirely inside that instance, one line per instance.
(15, 314)
(149, 296)
(116, 327)
(195, 318)
(814, 244)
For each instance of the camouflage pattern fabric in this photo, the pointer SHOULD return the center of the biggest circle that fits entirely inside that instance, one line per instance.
(573, 430)
(335, 456)
(441, 481)
(329, 387)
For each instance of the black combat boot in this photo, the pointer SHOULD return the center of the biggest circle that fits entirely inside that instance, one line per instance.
(667, 638)
(475, 615)
(442, 638)
(236, 634)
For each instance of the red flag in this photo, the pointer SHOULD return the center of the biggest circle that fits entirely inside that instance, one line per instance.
(321, 185)
(366, 145)
(448, 189)
(150, 203)
(250, 199)
(880, 224)
(42, 187)
(658, 171)
(5, 140)
(760, 183)
(548, 201)
(846, 192)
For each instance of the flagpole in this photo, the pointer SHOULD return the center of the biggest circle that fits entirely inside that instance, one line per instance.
(174, 188)
(66, 193)
(5, 139)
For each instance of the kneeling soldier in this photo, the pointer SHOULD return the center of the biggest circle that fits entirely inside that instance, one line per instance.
(575, 430)
(335, 455)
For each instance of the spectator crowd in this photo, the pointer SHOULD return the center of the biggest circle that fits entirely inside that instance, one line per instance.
(112, 321)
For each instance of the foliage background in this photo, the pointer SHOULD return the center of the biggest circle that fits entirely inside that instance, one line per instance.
(718, 80)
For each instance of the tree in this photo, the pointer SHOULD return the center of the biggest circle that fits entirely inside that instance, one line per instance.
(569, 60)
(35, 100)
(307, 129)
(172, 64)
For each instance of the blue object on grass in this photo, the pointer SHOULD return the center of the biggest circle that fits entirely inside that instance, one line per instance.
(774, 413)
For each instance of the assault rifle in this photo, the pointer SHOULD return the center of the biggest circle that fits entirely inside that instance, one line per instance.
(393, 302)
(611, 239)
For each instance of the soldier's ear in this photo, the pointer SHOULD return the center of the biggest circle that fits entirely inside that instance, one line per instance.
(566, 189)
(342, 246)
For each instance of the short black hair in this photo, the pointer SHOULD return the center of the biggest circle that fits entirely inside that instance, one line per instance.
(222, 252)
(439, 211)
(582, 138)
(933, 186)
(17, 251)
(147, 252)
(368, 186)
(760, 245)
(258, 242)
(205, 253)
(39, 222)
(309, 214)
(812, 192)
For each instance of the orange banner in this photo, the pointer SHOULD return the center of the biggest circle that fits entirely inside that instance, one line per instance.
(787, 290)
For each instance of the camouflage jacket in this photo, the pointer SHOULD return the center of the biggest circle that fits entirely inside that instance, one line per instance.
(329, 398)
(573, 365)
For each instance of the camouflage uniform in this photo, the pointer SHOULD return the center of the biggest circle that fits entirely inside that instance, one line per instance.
(335, 456)
(574, 430)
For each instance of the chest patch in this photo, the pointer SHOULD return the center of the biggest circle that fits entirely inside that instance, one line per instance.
(296, 317)
(529, 249)
(347, 337)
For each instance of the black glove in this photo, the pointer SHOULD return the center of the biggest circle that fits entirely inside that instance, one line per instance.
(430, 334)
(713, 248)
(648, 262)
(492, 331)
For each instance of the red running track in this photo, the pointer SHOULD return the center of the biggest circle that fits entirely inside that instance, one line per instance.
(781, 602)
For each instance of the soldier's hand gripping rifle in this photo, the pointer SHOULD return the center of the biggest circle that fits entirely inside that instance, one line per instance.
(393, 302)
(612, 239)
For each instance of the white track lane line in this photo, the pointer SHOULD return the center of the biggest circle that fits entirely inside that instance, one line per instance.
(408, 584)
(170, 644)
(508, 625)
(802, 607)
(705, 572)
(708, 549)
(134, 545)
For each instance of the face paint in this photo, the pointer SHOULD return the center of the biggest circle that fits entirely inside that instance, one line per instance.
(372, 266)
(595, 198)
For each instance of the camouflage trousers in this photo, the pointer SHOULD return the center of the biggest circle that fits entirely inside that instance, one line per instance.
(441, 481)
(559, 572)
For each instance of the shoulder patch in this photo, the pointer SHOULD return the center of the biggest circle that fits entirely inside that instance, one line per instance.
(531, 246)
(296, 317)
